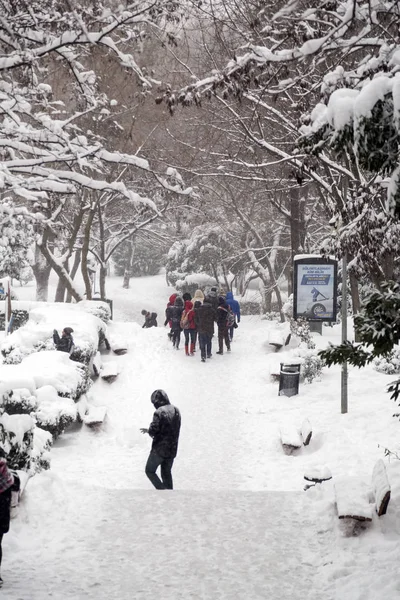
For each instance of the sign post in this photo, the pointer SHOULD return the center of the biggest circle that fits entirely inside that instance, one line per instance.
(315, 288)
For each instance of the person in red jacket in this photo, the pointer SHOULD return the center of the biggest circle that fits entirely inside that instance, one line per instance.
(189, 328)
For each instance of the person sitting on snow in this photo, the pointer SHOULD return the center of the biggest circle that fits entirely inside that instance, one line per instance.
(64, 343)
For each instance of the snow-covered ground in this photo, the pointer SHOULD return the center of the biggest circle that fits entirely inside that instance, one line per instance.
(238, 524)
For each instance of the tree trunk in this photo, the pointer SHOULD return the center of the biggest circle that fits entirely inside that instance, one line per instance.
(74, 270)
(85, 250)
(268, 279)
(61, 272)
(355, 299)
(102, 254)
(297, 227)
(41, 271)
(60, 291)
(128, 265)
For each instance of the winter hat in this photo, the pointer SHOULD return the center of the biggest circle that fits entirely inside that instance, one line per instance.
(178, 301)
(188, 305)
(68, 330)
(144, 312)
(187, 296)
(197, 304)
(221, 300)
(198, 295)
(159, 397)
(172, 298)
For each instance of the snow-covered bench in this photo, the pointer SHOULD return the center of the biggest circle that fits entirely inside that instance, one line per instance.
(316, 474)
(119, 345)
(278, 338)
(109, 371)
(95, 415)
(90, 414)
(293, 438)
(354, 495)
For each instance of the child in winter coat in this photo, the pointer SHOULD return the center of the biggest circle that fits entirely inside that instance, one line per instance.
(189, 328)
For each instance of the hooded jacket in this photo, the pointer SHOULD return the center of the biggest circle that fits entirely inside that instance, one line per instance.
(174, 314)
(205, 316)
(222, 312)
(171, 301)
(213, 298)
(165, 426)
(234, 304)
(198, 296)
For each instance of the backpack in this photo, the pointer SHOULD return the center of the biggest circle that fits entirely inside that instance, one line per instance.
(230, 318)
(185, 320)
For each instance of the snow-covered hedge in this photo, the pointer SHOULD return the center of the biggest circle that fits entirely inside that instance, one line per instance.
(16, 439)
(311, 363)
(53, 413)
(389, 364)
(98, 308)
(20, 401)
(37, 334)
(69, 378)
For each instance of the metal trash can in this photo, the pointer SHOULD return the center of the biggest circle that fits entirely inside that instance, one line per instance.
(289, 379)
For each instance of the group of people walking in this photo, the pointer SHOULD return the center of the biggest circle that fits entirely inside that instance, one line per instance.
(196, 318)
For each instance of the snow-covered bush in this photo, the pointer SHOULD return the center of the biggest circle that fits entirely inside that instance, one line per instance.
(54, 414)
(301, 328)
(19, 318)
(40, 454)
(16, 439)
(389, 364)
(272, 316)
(287, 308)
(69, 378)
(37, 334)
(311, 364)
(20, 401)
(250, 307)
(98, 308)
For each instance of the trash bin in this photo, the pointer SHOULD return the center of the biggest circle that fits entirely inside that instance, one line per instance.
(289, 379)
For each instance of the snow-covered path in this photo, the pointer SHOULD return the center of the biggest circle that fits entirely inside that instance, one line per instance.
(144, 545)
(218, 535)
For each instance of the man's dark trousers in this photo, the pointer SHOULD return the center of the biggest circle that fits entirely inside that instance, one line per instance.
(153, 462)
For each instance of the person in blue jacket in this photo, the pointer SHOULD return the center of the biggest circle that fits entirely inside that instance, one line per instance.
(235, 307)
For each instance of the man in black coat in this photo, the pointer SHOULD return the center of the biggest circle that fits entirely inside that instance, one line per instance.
(65, 343)
(164, 429)
(204, 317)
